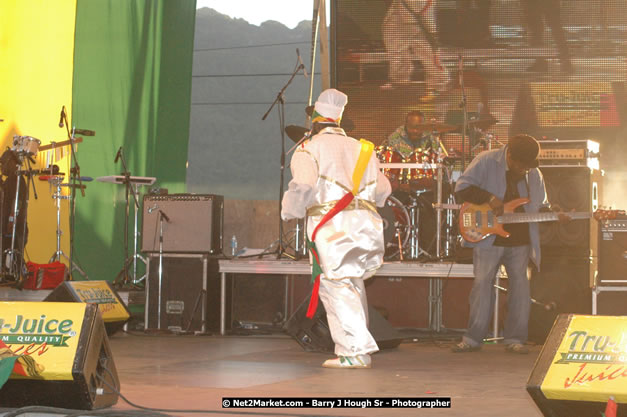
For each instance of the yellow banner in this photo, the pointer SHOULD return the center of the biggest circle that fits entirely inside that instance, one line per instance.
(36, 70)
(574, 104)
(590, 363)
(46, 332)
(100, 293)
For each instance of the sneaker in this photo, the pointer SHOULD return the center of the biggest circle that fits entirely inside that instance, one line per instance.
(349, 362)
(517, 348)
(463, 347)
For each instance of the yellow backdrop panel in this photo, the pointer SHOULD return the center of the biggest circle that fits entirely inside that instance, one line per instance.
(36, 65)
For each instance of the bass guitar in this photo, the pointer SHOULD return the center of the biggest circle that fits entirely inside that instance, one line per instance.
(476, 222)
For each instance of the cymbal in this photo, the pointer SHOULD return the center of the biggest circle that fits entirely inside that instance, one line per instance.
(483, 122)
(436, 127)
(296, 133)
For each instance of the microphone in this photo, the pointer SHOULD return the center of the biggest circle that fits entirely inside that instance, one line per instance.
(61, 116)
(301, 63)
(165, 216)
(117, 156)
(84, 132)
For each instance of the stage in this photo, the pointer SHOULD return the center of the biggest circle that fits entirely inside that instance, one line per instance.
(196, 372)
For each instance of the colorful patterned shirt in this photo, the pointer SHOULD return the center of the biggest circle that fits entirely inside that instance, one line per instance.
(400, 142)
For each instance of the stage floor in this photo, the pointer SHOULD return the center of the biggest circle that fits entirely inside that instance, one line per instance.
(196, 372)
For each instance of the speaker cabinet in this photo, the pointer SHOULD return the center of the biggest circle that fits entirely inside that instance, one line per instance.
(258, 299)
(562, 286)
(194, 223)
(314, 335)
(573, 188)
(187, 298)
(613, 253)
(68, 345)
(114, 311)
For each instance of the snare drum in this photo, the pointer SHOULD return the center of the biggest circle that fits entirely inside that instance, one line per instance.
(25, 145)
(388, 155)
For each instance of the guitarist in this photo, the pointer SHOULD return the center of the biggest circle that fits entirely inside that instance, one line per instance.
(496, 177)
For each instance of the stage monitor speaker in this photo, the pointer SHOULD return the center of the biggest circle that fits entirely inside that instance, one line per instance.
(573, 188)
(314, 335)
(114, 311)
(580, 366)
(67, 355)
(195, 223)
(190, 294)
(562, 286)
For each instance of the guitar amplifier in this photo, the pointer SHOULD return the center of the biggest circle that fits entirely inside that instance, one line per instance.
(192, 223)
(613, 252)
(569, 153)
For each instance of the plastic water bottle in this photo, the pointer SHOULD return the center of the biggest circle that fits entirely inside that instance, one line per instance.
(233, 245)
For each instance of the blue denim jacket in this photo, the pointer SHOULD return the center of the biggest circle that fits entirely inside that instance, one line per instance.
(487, 171)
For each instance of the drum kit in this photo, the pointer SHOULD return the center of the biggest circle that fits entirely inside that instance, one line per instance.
(418, 179)
(420, 217)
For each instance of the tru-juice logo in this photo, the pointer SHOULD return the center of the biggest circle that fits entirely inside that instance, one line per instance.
(35, 332)
(590, 349)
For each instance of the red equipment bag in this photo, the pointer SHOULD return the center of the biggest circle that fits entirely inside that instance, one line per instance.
(44, 276)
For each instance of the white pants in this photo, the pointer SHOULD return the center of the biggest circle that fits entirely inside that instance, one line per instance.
(347, 315)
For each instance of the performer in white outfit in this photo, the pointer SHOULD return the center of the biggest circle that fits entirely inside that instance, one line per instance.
(350, 245)
(410, 33)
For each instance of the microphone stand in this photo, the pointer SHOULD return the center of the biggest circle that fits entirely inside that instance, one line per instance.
(464, 107)
(162, 216)
(75, 174)
(279, 99)
(129, 190)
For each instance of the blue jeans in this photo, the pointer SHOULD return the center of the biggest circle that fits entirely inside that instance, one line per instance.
(486, 263)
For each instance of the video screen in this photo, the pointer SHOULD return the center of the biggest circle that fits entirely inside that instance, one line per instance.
(553, 69)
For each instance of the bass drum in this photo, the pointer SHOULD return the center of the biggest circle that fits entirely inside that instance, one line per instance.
(395, 223)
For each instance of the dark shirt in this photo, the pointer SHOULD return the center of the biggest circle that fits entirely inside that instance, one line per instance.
(519, 232)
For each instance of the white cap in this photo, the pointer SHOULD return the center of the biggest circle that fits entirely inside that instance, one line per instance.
(331, 104)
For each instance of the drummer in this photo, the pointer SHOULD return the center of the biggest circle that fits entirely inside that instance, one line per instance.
(411, 136)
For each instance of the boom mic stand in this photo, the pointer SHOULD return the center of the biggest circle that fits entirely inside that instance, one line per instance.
(75, 175)
(464, 106)
(279, 99)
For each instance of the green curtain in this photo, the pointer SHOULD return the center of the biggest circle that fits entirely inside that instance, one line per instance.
(132, 85)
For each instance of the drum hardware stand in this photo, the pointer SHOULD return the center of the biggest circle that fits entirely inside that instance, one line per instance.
(129, 190)
(414, 246)
(280, 250)
(56, 181)
(136, 256)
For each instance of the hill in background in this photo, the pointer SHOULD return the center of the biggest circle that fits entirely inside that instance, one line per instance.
(232, 152)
